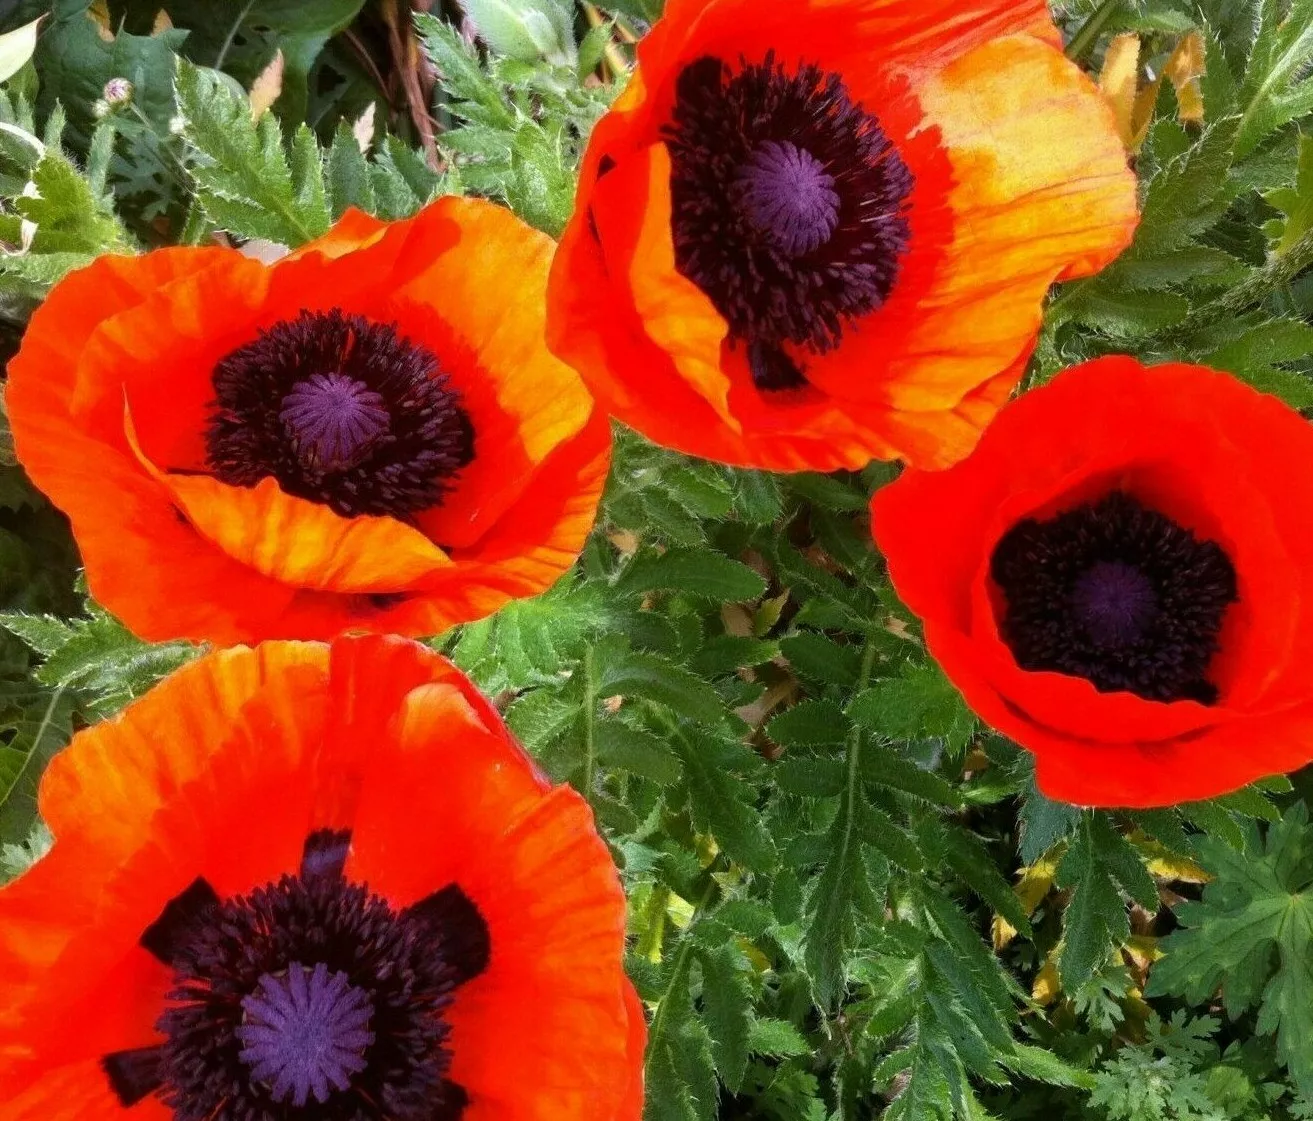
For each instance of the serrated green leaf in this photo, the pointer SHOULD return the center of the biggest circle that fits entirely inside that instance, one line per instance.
(1043, 823)
(347, 174)
(244, 179)
(638, 752)
(887, 767)
(831, 906)
(918, 704)
(1251, 936)
(777, 1038)
(821, 659)
(727, 1008)
(1095, 920)
(720, 801)
(697, 572)
(809, 723)
(810, 778)
(636, 674)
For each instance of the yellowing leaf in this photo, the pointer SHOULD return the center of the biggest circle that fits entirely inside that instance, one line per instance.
(1046, 987)
(1119, 82)
(1133, 104)
(1034, 884)
(98, 13)
(1167, 865)
(1183, 70)
(266, 88)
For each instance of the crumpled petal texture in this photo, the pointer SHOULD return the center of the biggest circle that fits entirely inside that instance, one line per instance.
(1202, 448)
(110, 396)
(1020, 180)
(221, 772)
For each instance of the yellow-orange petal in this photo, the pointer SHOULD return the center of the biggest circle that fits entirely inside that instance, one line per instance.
(524, 401)
(632, 208)
(353, 231)
(1041, 189)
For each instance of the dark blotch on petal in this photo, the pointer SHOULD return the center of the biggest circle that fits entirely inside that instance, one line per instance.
(170, 936)
(325, 854)
(133, 1075)
(772, 369)
(465, 941)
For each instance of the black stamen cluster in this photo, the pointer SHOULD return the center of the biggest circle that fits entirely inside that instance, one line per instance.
(789, 205)
(1116, 593)
(342, 411)
(401, 967)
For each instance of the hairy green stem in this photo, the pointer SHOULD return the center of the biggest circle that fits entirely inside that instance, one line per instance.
(854, 750)
(680, 966)
(1271, 278)
(589, 672)
(232, 34)
(1085, 38)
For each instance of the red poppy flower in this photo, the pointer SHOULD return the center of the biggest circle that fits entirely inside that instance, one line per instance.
(370, 433)
(1120, 578)
(816, 232)
(296, 876)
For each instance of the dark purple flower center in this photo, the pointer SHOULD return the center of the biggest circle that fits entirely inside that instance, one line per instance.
(788, 197)
(308, 999)
(333, 421)
(340, 410)
(789, 207)
(1115, 601)
(1117, 593)
(306, 1032)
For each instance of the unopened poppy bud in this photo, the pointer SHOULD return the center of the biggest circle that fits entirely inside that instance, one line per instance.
(118, 91)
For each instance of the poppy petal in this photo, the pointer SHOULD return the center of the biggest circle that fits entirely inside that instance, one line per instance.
(371, 736)
(1030, 148)
(555, 978)
(1003, 140)
(1197, 447)
(352, 232)
(524, 403)
(676, 314)
(252, 563)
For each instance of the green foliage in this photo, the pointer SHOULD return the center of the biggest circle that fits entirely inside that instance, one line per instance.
(1201, 282)
(242, 39)
(1181, 1073)
(518, 127)
(1100, 865)
(55, 215)
(1251, 937)
(246, 180)
(253, 184)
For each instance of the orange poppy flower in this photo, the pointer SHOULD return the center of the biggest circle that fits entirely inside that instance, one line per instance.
(308, 882)
(1120, 578)
(815, 232)
(369, 434)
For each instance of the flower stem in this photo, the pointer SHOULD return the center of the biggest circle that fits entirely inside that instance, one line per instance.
(1085, 38)
(1271, 278)
(589, 671)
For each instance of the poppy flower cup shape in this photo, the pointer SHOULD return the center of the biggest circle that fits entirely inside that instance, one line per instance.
(312, 882)
(1120, 578)
(812, 233)
(369, 434)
